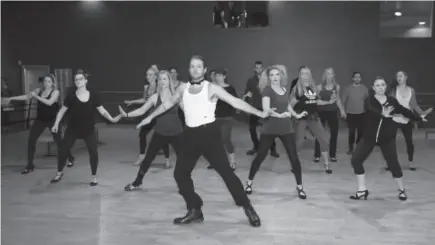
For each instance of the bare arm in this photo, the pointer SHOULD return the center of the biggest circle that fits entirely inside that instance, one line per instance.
(414, 103)
(222, 13)
(151, 102)
(24, 97)
(53, 99)
(107, 115)
(60, 115)
(175, 99)
(233, 101)
(339, 104)
(138, 101)
(345, 98)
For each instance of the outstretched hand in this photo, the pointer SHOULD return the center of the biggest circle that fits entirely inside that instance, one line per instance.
(423, 118)
(428, 111)
(121, 111)
(267, 113)
(55, 128)
(128, 103)
(386, 111)
(116, 119)
(143, 123)
(301, 115)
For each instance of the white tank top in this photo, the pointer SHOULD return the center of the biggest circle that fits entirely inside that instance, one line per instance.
(198, 109)
(405, 102)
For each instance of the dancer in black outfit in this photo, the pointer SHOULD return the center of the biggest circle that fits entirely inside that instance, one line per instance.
(305, 98)
(150, 88)
(224, 115)
(47, 108)
(328, 113)
(167, 130)
(275, 95)
(199, 98)
(380, 130)
(174, 76)
(81, 124)
(253, 96)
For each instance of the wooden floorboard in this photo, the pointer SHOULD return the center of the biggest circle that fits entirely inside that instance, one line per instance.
(36, 212)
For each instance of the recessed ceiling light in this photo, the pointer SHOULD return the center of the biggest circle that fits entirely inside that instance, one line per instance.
(422, 23)
(398, 13)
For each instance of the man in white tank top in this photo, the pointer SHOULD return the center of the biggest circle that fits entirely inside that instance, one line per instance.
(198, 100)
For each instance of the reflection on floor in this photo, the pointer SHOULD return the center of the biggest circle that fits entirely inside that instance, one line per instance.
(71, 212)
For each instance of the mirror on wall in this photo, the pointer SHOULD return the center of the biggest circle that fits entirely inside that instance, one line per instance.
(241, 14)
(410, 19)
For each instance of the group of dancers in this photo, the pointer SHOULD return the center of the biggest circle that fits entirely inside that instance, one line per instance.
(195, 119)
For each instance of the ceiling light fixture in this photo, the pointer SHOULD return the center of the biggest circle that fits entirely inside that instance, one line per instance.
(397, 13)
(422, 23)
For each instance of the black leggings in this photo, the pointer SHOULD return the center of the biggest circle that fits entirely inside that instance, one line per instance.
(289, 143)
(330, 117)
(355, 123)
(35, 132)
(253, 124)
(205, 141)
(389, 151)
(226, 129)
(156, 143)
(68, 142)
(144, 131)
(407, 133)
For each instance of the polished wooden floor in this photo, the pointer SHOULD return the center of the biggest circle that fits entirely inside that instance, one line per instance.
(35, 212)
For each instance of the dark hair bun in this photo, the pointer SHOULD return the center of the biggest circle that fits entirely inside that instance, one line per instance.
(82, 72)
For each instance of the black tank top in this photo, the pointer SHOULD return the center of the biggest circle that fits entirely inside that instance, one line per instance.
(47, 113)
(169, 123)
(306, 102)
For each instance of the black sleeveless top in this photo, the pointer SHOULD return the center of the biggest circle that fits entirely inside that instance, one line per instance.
(47, 113)
(168, 123)
(223, 109)
(306, 102)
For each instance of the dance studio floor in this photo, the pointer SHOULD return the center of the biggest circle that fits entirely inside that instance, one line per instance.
(71, 212)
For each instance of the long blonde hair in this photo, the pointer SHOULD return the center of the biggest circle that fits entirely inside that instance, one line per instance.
(300, 88)
(334, 82)
(264, 78)
(171, 84)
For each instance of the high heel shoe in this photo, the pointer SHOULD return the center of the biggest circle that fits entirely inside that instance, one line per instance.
(411, 166)
(70, 164)
(133, 186)
(248, 189)
(94, 181)
(402, 195)
(360, 194)
(57, 178)
(301, 193)
(28, 170)
(327, 170)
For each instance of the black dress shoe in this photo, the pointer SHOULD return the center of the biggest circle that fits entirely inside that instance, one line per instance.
(193, 215)
(274, 154)
(251, 152)
(28, 170)
(254, 219)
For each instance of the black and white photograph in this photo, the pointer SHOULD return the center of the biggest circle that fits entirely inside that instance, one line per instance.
(217, 122)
